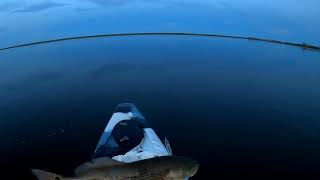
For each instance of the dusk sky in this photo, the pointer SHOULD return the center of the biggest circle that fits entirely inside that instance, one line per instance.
(24, 21)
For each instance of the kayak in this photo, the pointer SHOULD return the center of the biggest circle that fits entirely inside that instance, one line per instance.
(128, 137)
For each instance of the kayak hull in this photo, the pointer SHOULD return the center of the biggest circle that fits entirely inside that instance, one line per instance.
(149, 147)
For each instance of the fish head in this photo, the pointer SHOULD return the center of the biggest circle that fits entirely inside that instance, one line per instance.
(182, 167)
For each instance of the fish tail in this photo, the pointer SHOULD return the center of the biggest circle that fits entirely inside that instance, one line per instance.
(44, 175)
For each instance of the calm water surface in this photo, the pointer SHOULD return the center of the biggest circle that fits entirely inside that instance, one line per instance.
(242, 108)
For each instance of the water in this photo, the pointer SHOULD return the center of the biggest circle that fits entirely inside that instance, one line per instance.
(242, 108)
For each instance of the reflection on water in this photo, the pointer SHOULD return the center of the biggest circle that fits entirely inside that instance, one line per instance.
(45, 76)
(242, 108)
(9, 5)
(111, 69)
(111, 2)
(282, 20)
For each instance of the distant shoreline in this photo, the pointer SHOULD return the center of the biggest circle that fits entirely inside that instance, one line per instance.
(302, 45)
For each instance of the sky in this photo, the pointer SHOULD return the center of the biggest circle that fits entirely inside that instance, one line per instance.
(24, 21)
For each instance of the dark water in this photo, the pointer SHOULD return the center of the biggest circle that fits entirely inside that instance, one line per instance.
(244, 109)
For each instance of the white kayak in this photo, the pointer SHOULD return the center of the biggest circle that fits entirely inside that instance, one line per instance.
(128, 137)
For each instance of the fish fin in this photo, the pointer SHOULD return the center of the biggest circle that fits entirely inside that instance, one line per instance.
(44, 175)
(96, 163)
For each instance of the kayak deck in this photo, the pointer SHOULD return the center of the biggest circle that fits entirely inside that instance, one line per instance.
(126, 123)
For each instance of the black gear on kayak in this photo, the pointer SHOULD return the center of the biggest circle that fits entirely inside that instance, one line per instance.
(127, 134)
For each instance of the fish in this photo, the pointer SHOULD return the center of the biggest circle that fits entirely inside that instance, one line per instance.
(105, 168)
